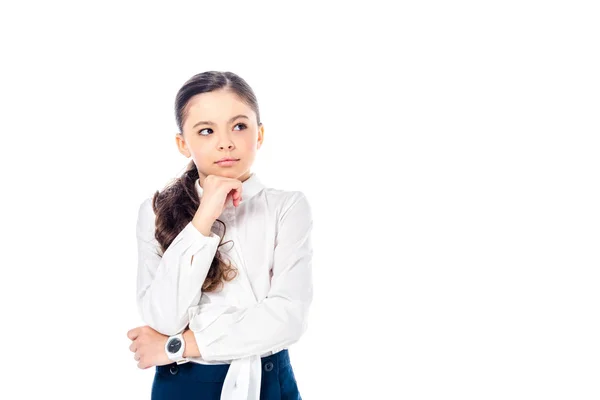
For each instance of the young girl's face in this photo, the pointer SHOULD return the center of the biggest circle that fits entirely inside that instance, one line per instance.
(218, 124)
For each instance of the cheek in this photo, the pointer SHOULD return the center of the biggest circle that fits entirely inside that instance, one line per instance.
(202, 155)
(249, 146)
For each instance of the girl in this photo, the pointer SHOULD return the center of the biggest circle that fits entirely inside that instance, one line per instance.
(224, 278)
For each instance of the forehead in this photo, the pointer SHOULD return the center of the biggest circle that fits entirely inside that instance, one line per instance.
(217, 106)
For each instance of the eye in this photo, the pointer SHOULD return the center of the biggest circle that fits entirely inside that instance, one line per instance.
(209, 129)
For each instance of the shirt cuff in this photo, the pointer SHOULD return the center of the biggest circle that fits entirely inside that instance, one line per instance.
(193, 240)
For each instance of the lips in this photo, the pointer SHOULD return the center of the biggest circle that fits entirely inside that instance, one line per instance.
(227, 163)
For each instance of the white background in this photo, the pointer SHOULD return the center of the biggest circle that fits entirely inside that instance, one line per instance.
(449, 150)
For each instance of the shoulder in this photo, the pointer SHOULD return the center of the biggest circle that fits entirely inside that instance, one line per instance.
(288, 201)
(282, 196)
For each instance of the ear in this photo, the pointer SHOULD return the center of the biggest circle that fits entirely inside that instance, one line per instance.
(261, 136)
(182, 145)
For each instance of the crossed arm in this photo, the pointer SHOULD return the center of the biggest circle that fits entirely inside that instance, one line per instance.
(172, 283)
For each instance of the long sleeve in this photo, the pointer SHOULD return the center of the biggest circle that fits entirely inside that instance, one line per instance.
(167, 286)
(279, 319)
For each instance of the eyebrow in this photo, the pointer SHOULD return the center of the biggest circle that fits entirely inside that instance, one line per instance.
(212, 123)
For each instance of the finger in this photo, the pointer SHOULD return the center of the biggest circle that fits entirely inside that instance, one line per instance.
(133, 334)
(235, 185)
(233, 194)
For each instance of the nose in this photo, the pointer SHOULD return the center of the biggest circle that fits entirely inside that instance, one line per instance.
(225, 142)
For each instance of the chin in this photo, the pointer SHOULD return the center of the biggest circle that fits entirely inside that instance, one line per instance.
(228, 172)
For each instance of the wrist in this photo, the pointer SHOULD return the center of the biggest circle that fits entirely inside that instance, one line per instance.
(174, 347)
(191, 348)
(202, 223)
(186, 339)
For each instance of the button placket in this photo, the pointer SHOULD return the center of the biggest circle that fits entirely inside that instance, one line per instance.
(250, 296)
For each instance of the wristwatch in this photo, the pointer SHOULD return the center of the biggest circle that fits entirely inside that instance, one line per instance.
(175, 348)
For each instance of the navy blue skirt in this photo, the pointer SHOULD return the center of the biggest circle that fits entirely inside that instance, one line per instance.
(204, 382)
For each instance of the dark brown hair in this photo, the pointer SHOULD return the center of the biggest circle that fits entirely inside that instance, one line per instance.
(176, 204)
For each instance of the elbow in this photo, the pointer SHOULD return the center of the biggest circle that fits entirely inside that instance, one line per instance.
(297, 323)
(297, 332)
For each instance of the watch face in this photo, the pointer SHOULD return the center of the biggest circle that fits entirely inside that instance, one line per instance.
(174, 345)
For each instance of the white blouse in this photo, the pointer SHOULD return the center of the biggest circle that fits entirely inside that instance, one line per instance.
(262, 311)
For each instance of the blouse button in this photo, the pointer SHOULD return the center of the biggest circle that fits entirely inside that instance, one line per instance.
(173, 369)
(268, 366)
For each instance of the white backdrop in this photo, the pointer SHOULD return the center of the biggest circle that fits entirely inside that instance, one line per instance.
(449, 151)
